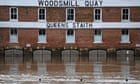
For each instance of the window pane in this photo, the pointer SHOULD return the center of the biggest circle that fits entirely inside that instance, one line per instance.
(41, 14)
(97, 11)
(97, 38)
(70, 32)
(42, 36)
(125, 15)
(70, 37)
(98, 17)
(13, 38)
(70, 17)
(14, 16)
(71, 11)
(70, 14)
(125, 11)
(42, 32)
(125, 38)
(13, 31)
(13, 35)
(42, 11)
(13, 13)
(124, 31)
(97, 14)
(41, 17)
(97, 32)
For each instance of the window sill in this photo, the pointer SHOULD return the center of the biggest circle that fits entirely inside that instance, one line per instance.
(97, 21)
(13, 20)
(70, 21)
(98, 42)
(14, 42)
(69, 42)
(125, 42)
(42, 42)
(42, 21)
(125, 21)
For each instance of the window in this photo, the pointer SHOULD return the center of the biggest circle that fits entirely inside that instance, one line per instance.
(13, 35)
(97, 36)
(70, 36)
(14, 14)
(42, 36)
(41, 14)
(125, 14)
(70, 14)
(97, 14)
(125, 36)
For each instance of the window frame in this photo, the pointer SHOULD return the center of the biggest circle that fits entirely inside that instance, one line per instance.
(67, 15)
(10, 14)
(125, 35)
(100, 20)
(43, 35)
(15, 35)
(70, 36)
(122, 14)
(41, 20)
(97, 35)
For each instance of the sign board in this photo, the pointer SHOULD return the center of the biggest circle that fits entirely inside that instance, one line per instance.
(69, 25)
(70, 3)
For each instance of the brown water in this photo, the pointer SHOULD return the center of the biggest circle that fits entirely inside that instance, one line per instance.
(69, 68)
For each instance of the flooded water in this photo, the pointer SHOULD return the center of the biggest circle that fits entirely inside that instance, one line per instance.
(69, 67)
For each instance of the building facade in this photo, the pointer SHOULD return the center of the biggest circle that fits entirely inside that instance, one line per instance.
(70, 23)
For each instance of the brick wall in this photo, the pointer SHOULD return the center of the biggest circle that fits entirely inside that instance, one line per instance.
(135, 36)
(111, 14)
(84, 38)
(111, 37)
(28, 14)
(28, 36)
(54, 14)
(84, 14)
(56, 37)
(4, 37)
(135, 14)
(4, 13)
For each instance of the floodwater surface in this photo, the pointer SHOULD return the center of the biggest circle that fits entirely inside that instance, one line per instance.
(71, 67)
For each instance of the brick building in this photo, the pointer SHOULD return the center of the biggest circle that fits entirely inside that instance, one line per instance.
(70, 23)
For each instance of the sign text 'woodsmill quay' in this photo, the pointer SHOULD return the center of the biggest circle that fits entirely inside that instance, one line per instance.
(70, 3)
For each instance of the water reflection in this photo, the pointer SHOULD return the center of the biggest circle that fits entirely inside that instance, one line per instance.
(97, 56)
(42, 56)
(70, 56)
(125, 56)
(97, 73)
(70, 65)
(13, 56)
(13, 69)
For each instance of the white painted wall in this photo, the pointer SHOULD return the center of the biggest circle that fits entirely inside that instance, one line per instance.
(102, 25)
